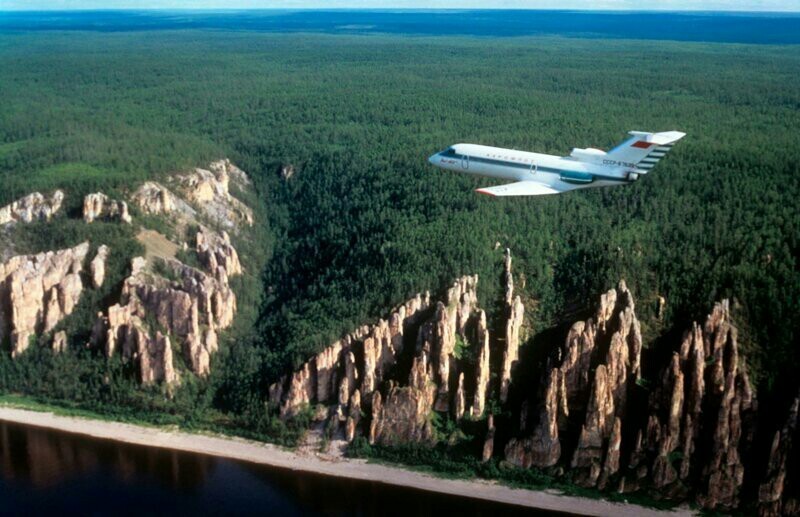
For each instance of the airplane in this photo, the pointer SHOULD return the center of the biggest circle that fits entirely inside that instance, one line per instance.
(537, 174)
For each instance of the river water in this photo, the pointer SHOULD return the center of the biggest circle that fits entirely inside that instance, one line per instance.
(56, 473)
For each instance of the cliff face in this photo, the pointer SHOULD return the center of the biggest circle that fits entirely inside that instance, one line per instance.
(100, 206)
(185, 303)
(37, 292)
(779, 492)
(590, 416)
(699, 413)
(31, 207)
(209, 190)
(163, 303)
(400, 371)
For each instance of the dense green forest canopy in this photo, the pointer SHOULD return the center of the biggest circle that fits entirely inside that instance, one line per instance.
(365, 221)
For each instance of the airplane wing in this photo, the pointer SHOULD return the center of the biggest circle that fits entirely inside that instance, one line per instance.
(521, 188)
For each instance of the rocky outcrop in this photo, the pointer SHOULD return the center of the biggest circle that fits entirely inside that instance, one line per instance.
(707, 425)
(59, 341)
(190, 305)
(100, 206)
(482, 367)
(515, 312)
(488, 441)
(97, 267)
(405, 417)
(164, 302)
(31, 208)
(37, 292)
(358, 362)
(778, 493)
(155, 359)
(568, 384)
(209, 191)
(126, 329)
(543, 448)
(613, 380)
(215, 250)
(697, 420)
(154, 198)
(355, 368)
(426, 357)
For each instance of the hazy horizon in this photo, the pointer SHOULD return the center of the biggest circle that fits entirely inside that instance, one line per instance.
(768, 6)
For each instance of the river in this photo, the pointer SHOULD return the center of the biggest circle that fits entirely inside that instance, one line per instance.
(52, 472)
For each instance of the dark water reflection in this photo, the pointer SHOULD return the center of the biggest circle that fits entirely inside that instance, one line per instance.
(43, 471)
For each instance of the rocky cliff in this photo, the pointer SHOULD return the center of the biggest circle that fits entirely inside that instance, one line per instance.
(32, 207)
(589, 415)
(37, 292)
(386, 380)
(166, 298)
(163, 302)
(100, 206)
(779, 491)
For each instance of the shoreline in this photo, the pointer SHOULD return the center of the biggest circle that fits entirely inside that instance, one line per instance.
(274, 456)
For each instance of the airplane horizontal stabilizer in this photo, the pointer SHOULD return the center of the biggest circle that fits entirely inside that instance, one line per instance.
(521, 188)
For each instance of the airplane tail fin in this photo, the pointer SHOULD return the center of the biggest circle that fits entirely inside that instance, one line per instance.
(643, 149)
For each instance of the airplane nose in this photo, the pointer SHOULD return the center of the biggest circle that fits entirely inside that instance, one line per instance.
(432, 158)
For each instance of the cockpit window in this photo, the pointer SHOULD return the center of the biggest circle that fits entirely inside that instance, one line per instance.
(449, 152)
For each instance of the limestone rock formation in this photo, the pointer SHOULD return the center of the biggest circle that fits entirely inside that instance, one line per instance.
(215, 250)
(403, 418)
(97, 267)
(209, 191)
(154, 198)
(482, 368)
(488, 441)
(515, 312)
(543, 448)
(773, 496)
(31, 208)
(569, 383)
(354, 370)
(164, 300)
(359, 361)
(425, 357)
(700, 412)
(709, 424)
(59, 341)
(592, 416)
(191, 307)
(613, 380)
(37, 292)
(100, 206)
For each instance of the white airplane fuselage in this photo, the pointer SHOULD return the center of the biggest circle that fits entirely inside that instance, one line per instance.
(535, 174)
(509, 164)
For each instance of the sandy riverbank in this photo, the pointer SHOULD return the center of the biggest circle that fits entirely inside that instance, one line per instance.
(271, 455)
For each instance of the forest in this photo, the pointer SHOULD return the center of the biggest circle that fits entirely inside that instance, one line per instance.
(365, 222)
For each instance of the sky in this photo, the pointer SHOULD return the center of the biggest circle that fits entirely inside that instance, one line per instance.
(662, 5)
